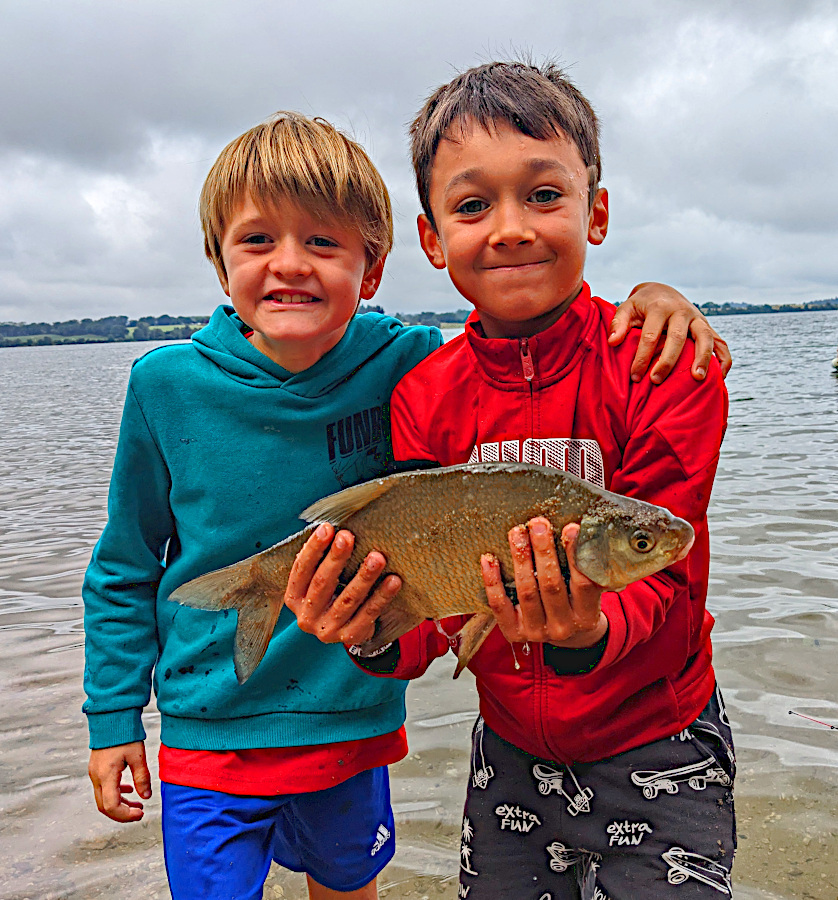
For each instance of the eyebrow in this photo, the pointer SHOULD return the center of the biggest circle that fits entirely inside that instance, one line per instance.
(536, 166)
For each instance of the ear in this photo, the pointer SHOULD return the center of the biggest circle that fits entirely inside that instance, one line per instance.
(372, 279)
(598, 219)
(430, 242)
(222, 275)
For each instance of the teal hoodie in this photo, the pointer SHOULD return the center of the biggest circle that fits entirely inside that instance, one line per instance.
(219, 450)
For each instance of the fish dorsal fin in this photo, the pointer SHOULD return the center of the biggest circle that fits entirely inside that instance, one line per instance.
(337, 508)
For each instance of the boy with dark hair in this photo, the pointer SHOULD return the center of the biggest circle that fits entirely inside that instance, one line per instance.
(602, 758)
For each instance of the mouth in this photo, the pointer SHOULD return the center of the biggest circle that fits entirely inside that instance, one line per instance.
(283, 299)
(516, 267)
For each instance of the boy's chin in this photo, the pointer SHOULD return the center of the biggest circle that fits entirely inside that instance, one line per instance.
(497, 326)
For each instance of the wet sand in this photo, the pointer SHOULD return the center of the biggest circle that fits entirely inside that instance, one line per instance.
(57, 846)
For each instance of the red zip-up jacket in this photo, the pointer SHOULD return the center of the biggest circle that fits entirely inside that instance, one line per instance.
(564, 398)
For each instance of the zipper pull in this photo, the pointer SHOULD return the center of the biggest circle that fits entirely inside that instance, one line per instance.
(526, 360)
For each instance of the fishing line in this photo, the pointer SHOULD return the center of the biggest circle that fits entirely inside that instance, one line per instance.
(826, 724)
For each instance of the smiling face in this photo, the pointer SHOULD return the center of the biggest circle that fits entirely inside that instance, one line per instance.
(294, 278)
(513, 223)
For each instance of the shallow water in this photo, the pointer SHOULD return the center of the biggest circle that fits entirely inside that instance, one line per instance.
(774, 591)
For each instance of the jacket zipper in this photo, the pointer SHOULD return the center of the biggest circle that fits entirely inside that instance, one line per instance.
(540, 711)
(526, 359)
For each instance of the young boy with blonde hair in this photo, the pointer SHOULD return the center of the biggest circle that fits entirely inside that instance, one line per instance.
(602, 763)
(279, 401)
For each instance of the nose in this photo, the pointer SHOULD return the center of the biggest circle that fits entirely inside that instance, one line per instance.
(511, 226)
(289, 259)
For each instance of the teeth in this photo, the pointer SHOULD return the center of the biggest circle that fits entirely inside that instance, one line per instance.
(292, 298)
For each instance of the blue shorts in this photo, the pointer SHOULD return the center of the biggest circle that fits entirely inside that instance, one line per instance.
(219, 846)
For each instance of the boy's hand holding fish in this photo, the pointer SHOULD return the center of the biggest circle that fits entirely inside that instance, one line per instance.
(347, 618)
(548, 610)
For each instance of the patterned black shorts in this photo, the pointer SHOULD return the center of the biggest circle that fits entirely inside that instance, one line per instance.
(656, 822)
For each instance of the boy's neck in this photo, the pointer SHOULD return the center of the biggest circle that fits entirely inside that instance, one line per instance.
(296, 356)
(501, 328)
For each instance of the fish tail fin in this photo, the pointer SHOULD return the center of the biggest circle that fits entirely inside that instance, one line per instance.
(472, 635)
(254, 630)
(245, 588)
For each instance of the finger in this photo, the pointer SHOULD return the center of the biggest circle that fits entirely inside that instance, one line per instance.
(551, 584)
(703, 337)
(324, 581)
(329, 624)
(499, 602)
(677, 329)
(559, 618)
(307, 561)
(585, 595)
(722, 351)
(621, 323)
(140, 773)
(310, 593)
(653, 328)
(361, 627)
(112, 803)
(530, 607)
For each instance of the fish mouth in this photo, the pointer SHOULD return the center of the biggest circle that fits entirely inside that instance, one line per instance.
(687, 547)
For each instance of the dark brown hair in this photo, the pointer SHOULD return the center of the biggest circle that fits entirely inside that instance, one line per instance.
(540, 101)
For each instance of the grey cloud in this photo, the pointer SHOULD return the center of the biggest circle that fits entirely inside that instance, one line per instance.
(718, 119)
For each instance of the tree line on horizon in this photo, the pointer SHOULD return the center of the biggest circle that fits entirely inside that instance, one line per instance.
(105, 330)
(178, 328)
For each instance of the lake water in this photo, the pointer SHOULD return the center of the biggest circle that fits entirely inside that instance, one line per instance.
(774, 591)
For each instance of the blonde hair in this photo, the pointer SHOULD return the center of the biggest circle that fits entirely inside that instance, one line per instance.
(304, 160)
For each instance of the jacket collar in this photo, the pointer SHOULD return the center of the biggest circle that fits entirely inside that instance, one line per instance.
(546, 356)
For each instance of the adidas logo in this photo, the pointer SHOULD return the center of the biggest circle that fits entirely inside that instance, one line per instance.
(381, 838)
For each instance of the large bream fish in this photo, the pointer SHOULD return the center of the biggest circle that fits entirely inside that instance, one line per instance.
(433, 526)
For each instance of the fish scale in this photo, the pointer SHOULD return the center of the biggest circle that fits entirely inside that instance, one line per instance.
(433, 526)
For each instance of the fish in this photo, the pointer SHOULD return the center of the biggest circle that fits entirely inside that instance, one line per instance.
(433, 525)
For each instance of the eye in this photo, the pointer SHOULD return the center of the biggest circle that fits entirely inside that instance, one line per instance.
(544, 195)
(256, 239)
(642, 541)
(320, 241)
(472, 207)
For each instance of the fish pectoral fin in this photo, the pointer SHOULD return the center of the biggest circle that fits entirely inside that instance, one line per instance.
(255, 627)
(472, 635)
(337, 508)
(390, 626)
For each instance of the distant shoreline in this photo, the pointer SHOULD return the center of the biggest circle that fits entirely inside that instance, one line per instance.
(120, 330)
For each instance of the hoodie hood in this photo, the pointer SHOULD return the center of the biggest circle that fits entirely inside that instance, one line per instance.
(223, 342)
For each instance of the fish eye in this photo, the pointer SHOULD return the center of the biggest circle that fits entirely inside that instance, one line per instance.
(642, 541)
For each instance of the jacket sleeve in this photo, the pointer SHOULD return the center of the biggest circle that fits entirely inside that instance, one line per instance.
(675, 432)
(120, 586)
(410, 655)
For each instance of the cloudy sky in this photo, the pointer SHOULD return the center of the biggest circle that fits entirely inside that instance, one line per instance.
(720, 135)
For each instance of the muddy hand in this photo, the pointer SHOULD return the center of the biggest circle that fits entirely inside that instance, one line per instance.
(545, 611)
(349, 617)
